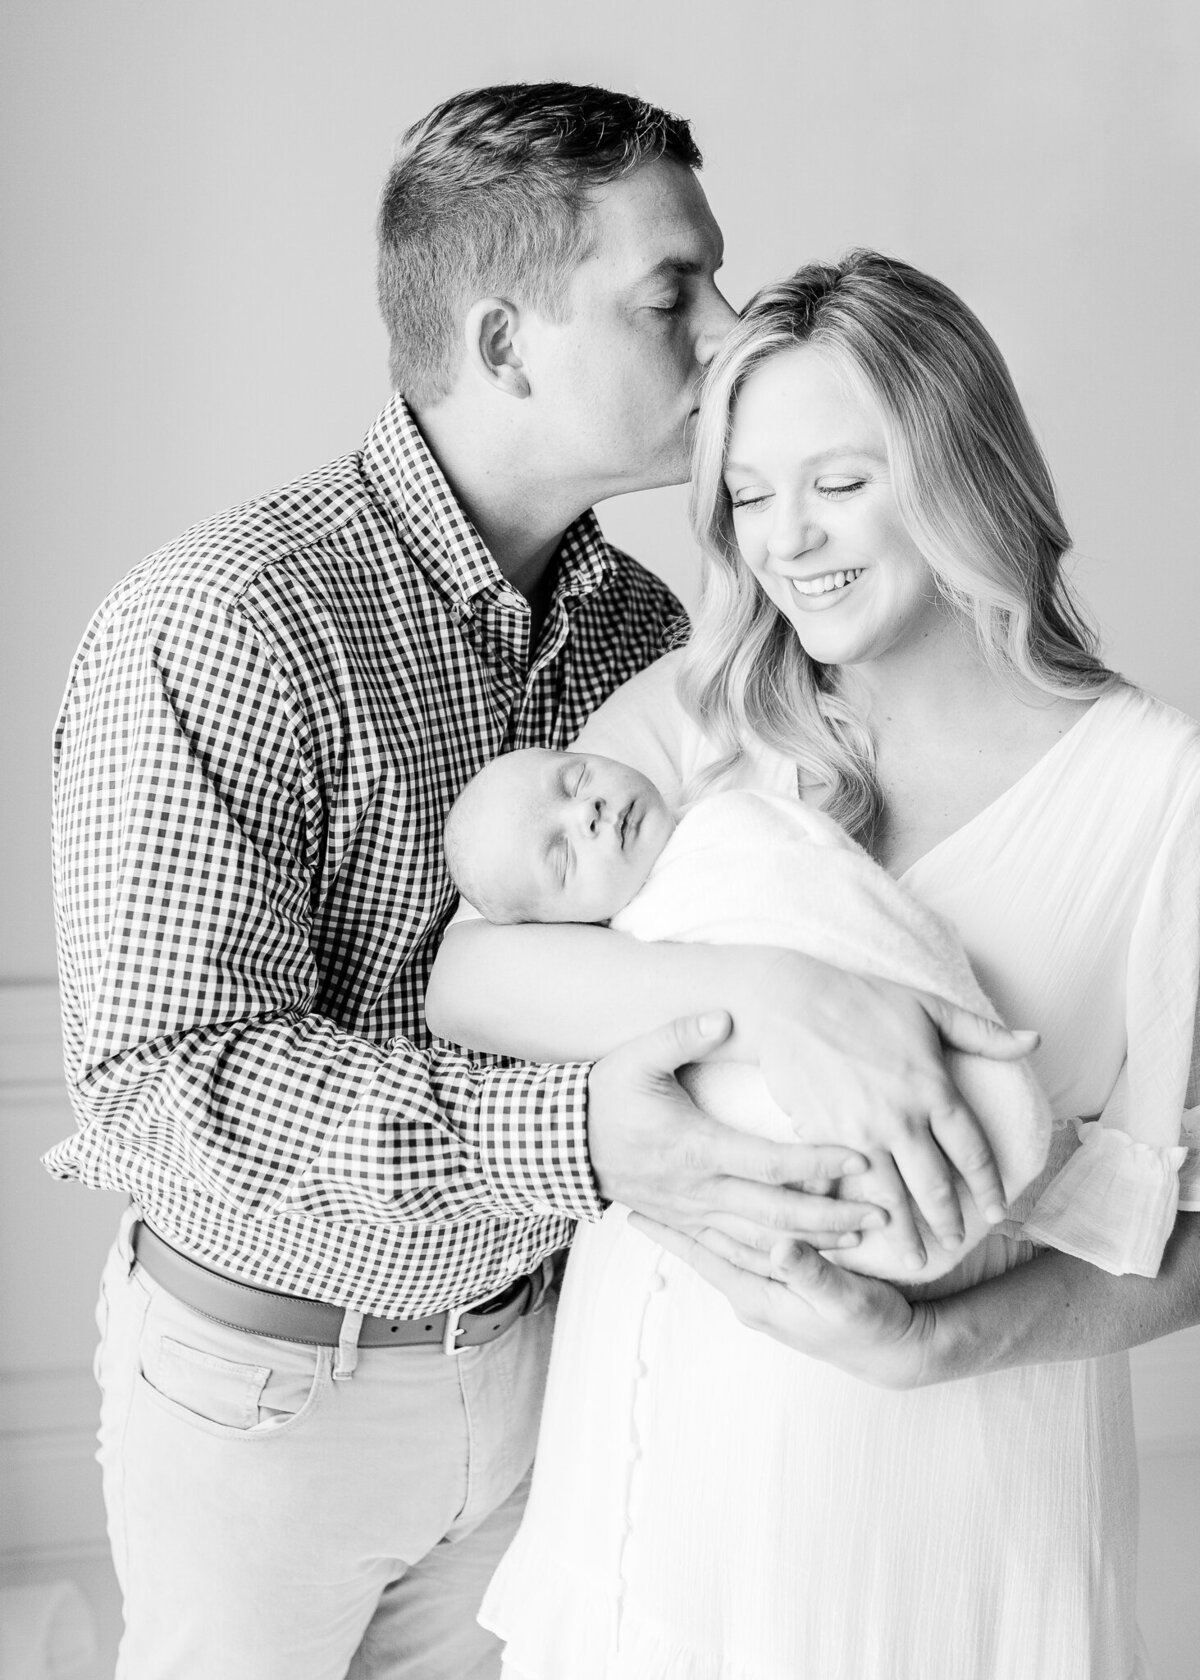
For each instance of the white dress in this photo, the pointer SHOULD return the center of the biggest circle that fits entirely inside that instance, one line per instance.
(709, 1505)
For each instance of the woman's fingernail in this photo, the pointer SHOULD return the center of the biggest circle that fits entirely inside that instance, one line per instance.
(995, 1213)
(914, 1259)
(848, 1239)
(873, 1221)
(853, 1164)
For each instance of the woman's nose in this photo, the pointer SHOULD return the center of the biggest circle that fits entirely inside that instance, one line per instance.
(793, 535)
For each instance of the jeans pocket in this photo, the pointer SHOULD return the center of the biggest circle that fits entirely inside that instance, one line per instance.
(229, 1382)
(218, 1390)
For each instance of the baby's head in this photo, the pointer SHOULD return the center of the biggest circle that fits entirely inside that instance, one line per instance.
(540, 836)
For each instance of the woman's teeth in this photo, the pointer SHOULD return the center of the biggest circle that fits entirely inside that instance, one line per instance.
(822, 585)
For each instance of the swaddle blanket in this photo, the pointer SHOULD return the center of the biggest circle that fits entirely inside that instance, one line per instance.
(753, 868)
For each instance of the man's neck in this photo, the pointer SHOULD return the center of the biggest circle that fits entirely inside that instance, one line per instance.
(520, 518)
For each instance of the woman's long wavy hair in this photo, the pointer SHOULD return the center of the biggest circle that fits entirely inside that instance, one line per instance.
(972, 488)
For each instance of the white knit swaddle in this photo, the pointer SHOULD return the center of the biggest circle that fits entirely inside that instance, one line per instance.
(754, 868)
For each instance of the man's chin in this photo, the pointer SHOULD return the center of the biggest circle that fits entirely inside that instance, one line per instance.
(662, 476)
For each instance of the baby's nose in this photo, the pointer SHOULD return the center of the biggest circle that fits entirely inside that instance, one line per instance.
(596, 814)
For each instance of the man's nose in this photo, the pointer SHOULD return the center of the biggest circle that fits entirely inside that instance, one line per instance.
(715, 326)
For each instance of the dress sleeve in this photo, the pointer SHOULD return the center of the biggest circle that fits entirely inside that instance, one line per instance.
(1114, 1202)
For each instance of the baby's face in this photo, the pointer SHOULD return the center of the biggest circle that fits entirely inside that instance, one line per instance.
(571, 835)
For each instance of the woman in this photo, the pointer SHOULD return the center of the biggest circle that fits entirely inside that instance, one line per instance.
(885, 631)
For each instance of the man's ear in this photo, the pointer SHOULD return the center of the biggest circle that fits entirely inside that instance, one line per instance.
(490, 330)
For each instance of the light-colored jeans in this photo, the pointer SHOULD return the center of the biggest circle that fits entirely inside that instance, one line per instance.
(269, 1523)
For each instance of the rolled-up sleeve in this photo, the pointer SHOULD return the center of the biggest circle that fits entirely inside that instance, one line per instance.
(1115, 1200)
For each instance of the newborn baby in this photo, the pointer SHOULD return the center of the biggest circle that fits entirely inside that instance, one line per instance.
(541, 836)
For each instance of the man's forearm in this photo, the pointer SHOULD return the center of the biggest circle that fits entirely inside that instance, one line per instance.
(1057, 1308)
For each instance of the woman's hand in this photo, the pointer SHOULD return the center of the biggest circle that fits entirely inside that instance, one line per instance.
(863, 1061)
(860, 1324)
(1051, 1308)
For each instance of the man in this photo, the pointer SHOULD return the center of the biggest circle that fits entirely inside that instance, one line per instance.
(323, 1347)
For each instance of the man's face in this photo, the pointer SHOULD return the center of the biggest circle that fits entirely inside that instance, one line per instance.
(616, 381)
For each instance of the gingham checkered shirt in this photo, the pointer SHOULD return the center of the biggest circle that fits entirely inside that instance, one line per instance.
(263, 730)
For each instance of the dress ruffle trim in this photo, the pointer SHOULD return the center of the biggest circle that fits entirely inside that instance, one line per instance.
(1189, 1172)
(1114, 1202)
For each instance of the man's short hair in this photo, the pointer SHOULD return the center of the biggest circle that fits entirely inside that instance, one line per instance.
(487, 197)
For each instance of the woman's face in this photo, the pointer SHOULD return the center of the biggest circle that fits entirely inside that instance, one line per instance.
(815, 517)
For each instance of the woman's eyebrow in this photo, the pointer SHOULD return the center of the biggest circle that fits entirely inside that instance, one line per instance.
(833, 453)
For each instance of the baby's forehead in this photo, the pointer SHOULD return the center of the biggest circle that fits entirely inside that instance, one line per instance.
(530, 766)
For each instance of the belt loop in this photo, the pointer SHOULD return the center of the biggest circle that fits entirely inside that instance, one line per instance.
(543, 1282)
(347, 1349)
(125, 1245)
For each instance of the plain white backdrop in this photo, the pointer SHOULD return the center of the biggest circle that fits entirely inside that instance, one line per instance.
(187, 319)
(188, 310)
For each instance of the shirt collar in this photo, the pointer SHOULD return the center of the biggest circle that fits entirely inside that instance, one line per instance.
(401, 468)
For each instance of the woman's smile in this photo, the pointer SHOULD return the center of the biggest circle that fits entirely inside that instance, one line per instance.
(828, 584)
(814, 511)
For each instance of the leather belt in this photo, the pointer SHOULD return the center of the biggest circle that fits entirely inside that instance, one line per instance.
(290, 1318)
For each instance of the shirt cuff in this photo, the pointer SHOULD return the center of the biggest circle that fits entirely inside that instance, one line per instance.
(1113, 1203)
(534, 1143)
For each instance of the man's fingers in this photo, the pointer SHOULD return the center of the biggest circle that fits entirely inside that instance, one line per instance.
(761, 1239)
(784, 1212)
(744, 1156)
(689, 1038)
(964, 1030)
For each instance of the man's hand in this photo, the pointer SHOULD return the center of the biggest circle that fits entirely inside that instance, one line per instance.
(860, 1324)
(863, 1061)
(653, 1150)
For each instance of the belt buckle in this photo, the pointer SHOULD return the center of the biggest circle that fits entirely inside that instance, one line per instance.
(539, 1283)
(452, 1331)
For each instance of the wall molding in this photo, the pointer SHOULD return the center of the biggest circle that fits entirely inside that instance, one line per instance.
(47, 1464)
(54, 1234)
